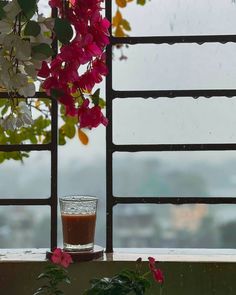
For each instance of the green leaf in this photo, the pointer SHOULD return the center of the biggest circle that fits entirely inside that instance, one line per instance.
(29, 7)
(141, 2)
(125, 25)
(42, 51)
(3, 102)
(2, 157)
(32, 28)
(69, 130)
(63, 30)
(2, 12)
(4, 110)
(102, 103)
(62, 140)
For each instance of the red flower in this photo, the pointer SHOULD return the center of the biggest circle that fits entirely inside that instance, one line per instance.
(156, 272)
(50, 83)
(79, 65)
(158, 276)
(44, 72)
(55, 3)
(151, 263)
(91, 118)
(62, 258)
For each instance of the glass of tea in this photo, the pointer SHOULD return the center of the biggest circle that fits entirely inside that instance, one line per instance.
(78, 214)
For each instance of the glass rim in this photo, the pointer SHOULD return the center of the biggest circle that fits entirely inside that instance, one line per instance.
(78, 198)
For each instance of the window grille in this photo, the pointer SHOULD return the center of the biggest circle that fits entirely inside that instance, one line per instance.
(52, 147)
(111, 147)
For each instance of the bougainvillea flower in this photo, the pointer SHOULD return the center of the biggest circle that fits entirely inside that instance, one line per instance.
(50, 83)
(72, 2)
(61, 258)
(80, 64)
(55, 3)
(44, 72)
(91, 117)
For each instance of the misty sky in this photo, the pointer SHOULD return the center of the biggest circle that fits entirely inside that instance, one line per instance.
(164, 67)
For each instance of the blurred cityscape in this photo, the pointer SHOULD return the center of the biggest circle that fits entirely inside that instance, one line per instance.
(185, 226)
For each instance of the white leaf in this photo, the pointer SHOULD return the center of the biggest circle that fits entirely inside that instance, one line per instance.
(23, 49)
(27, 119)
(12, 9)
(28, 90)
(5, 26)
(20, 80)
(30, 70)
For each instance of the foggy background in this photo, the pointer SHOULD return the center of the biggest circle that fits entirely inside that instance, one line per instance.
(164, 120)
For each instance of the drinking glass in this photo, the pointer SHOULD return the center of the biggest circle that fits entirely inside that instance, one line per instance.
(78, 214)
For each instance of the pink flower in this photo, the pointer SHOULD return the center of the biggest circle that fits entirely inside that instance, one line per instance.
(55, 3)
(50, 83)
(62, 258)
(158, 276)
(157, 273)
(44, 72)
(151, 263)
(91, 117)
(65, 76)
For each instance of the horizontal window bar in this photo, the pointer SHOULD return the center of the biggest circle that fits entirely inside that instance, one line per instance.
(41, 94)
(174, 39)
(25, 147)
(175, 200)
(174, 93)
(173, 147)
(24, 202)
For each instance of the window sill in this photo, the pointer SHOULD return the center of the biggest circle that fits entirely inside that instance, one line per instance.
(190, 271)
(128, 254)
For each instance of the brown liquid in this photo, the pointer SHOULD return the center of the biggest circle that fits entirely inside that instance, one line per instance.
(78, 229)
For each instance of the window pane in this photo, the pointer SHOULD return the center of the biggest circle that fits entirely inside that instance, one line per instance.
(24, 227)
(30, 179)
(174, 121)
(170, 226)
(179, 66)
(180, 17)
(175, 174)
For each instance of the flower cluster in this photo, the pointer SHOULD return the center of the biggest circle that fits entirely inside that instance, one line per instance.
(70, 77)
(80, 64)
(55, 273)
(25, 43)
(61, 258)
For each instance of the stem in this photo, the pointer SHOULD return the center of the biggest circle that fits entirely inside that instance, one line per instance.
(161, 290)
(81, 93)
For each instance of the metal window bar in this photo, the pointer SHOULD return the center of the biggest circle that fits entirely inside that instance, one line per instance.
(52, 147)
(111, 147)
(52, 201)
